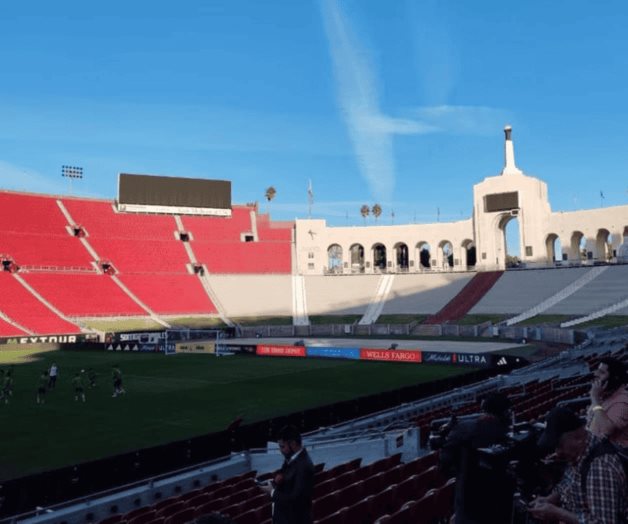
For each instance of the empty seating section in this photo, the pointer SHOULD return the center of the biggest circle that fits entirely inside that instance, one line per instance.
(361, 495)
(607, 289)
(238, 498)
(245, 257)
(423, 294)
(84, 295)
(21, 306)
(170, 294)
(9, 330)
(275, 234)
(142, 256)
(45, 250)
(273, 231)
(34, 233)
(358, 494)
(274, 291)
(518, 291)
(340, 295)
(218, 243)
(470, 295)
(220, 229)
(101, 221)
(31, 214)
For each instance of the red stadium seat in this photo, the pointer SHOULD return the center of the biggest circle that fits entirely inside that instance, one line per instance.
(114, 519)
(181, 517)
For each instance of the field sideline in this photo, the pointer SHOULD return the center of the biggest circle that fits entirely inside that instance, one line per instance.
(169, 398)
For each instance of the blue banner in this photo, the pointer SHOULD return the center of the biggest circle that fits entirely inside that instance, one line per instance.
(332, 352)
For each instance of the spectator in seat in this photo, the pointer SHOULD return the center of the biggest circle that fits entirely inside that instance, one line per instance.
(483, 494)
(291, 490)
(607, 415)
(593, 489)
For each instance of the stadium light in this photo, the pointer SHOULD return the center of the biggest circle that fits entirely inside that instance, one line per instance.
(71, 172)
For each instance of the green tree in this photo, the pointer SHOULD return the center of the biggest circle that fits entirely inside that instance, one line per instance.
(365, 211)
(270, 194)
(377, 211)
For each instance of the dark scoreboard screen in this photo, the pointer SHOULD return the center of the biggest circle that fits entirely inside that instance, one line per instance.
(501, 202)
(149, 190)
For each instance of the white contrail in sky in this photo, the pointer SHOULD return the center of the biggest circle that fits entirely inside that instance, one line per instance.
(369, 129)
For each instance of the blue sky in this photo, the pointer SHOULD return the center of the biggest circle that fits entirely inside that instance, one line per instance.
(401, 103)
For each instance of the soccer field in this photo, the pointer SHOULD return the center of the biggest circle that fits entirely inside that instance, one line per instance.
(169, 398)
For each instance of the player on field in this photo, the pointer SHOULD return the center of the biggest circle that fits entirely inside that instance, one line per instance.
(7, 386)
(117, 381)
(41, 389)
(91, 376)
(79, 389)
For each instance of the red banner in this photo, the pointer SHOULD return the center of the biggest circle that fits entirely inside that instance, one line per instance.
(391, 355)
(280, 351)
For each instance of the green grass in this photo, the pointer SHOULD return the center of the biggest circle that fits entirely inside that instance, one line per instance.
(334, 319)
(472, 320)
(169, 398)
(195, 322)
(609, 321)
(537, 320)
(131, 324)
(263, 321)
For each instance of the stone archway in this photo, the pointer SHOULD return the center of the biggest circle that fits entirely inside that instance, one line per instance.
(468, 254)
(509, 242)
(603, 249)
(357, 258)
(553, 248)
(401, 256)
(423, 256)
(334, 259)
(446, 254)
(379, 257)
(578, 246)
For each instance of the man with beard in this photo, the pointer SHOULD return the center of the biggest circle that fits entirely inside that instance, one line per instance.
(291, 490)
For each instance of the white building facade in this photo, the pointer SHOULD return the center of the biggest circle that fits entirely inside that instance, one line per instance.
(478, 243)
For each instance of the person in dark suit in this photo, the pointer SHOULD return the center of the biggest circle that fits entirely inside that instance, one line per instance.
(291, 490)
(483, 494)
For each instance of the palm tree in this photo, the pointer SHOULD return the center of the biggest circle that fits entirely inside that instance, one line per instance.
(377, 211)
(270, 194)
(364, 211)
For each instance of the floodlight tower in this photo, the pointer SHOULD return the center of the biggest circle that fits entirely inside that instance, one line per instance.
(71, 172)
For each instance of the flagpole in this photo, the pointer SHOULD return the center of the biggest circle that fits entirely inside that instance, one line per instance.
(310, 199)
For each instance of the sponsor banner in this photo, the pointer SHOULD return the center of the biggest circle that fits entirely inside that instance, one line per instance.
(237, 348)
(437, 357)
(391, 355)
(151, 337)
(49, 339)
(134, 346)
(195, 347)
(458, 359)
(472, 359)
(280, 351)
(333, 352)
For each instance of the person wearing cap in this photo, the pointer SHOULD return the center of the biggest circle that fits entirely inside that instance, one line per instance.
(600, 498)
(483, 495)
(607, 415)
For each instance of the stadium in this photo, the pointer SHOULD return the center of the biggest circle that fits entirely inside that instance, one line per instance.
(404, 325)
